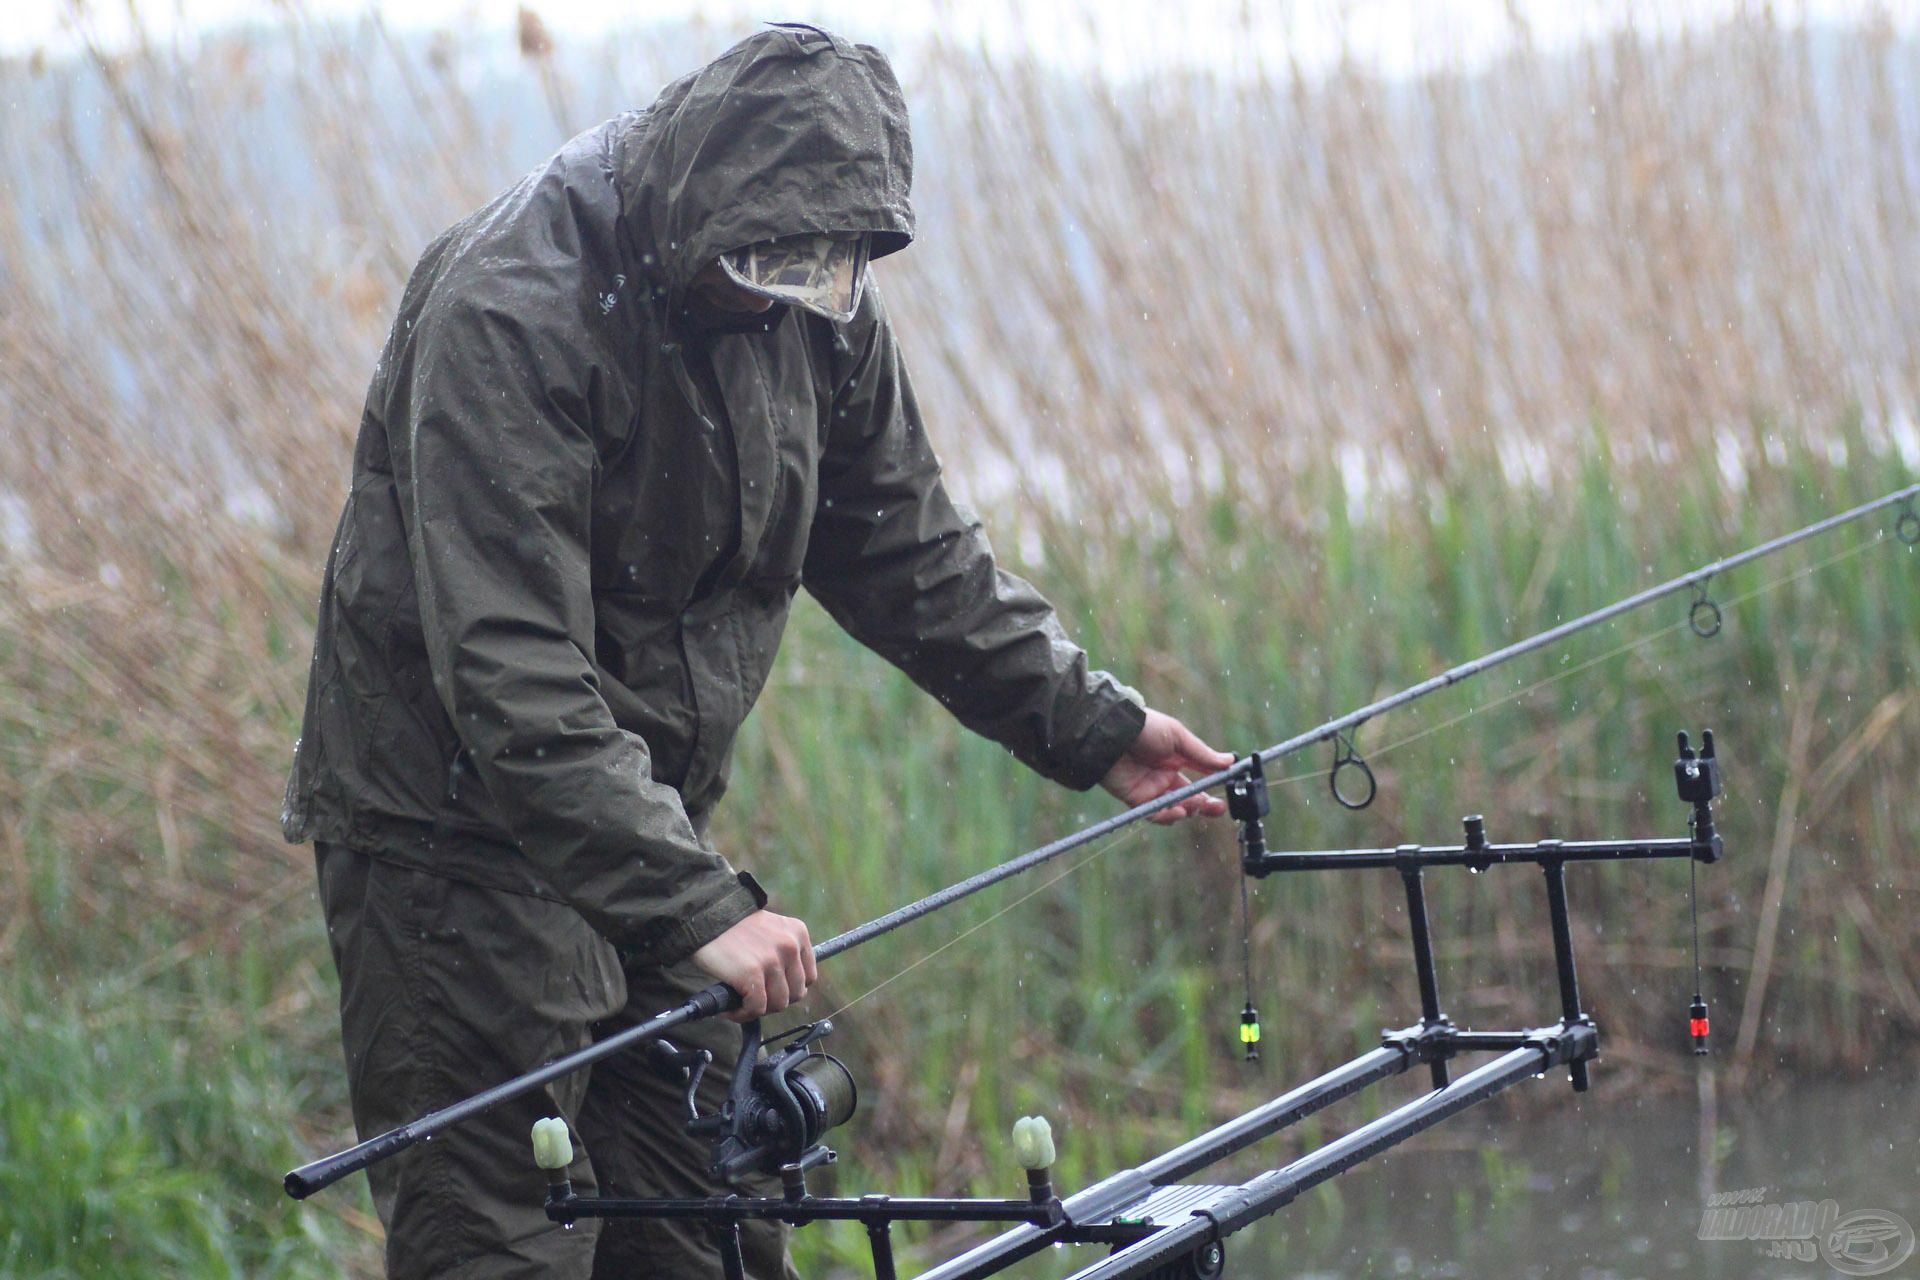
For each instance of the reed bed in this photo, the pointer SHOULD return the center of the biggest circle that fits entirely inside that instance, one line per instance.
(1290, 386)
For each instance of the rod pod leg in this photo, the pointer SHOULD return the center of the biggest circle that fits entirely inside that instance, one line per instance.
(733, 1263)
(880, 1241)
(1570, 1010)
(1430, 1014)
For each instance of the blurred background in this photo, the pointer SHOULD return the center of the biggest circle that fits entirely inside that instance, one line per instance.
(1296, 351)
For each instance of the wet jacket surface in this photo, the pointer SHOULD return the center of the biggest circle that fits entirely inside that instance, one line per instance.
(576, 522)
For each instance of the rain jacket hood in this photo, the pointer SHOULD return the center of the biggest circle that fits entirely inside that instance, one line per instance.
(792, 131)
(577, 523)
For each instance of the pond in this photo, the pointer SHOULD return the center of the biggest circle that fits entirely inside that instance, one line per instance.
(1616, 1184)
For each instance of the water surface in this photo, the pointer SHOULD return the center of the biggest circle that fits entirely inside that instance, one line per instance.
(1609, 1184)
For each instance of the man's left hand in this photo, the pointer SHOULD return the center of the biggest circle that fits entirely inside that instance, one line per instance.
(1161, 760)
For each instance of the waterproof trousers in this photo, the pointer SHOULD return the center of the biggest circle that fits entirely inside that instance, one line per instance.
(446, 989)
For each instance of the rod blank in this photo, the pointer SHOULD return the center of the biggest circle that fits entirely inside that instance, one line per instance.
(319, 1174)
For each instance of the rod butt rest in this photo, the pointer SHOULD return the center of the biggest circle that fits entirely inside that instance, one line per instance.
(1033, 1142)
(552, 1144)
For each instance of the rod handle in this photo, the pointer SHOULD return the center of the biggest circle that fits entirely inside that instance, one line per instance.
(324, 1172)
(718, 998)
(320, 1174)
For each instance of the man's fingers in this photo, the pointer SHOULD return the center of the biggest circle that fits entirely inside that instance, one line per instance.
(1186, 751)
(791, 969)
(1202, 758)
(1165, 757)
(1174, 812)
(1163, 780)
(753, 1001)
(793, 954)
(1195, 806)
(809, 967)
(767, 958)
(1199, 807)
(776, 980)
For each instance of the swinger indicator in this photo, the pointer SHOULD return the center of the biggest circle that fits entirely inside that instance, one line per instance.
(1697, 1024)
(1250, 1032)
(1248, 804)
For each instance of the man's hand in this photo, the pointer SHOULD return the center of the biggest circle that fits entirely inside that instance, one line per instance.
(767, 958)
(1160, 760)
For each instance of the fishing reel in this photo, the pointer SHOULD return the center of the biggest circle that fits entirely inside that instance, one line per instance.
(786, 1094)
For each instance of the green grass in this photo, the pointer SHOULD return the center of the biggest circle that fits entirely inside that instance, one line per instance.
(158, 1080)
(142, 1125)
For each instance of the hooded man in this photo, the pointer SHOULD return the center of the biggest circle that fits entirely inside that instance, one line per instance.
(626, 411)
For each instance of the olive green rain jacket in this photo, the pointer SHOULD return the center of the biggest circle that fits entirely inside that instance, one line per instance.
(576, 523)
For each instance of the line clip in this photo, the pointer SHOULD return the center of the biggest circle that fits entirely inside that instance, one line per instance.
(1906, 525)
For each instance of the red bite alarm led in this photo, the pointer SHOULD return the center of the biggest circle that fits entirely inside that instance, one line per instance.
(1697, 1024)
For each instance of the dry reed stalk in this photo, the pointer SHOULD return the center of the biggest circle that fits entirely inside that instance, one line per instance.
(1134, 302)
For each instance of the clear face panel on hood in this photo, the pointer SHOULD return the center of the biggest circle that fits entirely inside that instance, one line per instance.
(824, 274)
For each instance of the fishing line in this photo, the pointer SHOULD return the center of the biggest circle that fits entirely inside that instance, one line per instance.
(1125, 837)
(1693, 905)
(1589, 663)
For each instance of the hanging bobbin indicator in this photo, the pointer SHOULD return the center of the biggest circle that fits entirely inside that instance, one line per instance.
(1248, 804)
(1696, 777)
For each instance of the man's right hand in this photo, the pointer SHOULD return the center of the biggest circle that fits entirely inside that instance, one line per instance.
(767, 958)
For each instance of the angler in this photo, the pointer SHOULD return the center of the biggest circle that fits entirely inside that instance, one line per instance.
(626, 410)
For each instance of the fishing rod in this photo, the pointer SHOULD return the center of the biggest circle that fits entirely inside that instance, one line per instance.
(1704, 616)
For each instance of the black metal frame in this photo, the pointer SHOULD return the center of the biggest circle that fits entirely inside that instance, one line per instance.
(1551, 856)
(1153, 1223)
(1160, 1228)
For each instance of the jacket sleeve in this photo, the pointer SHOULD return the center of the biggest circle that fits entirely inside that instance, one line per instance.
(910, 576)
(495, 460)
